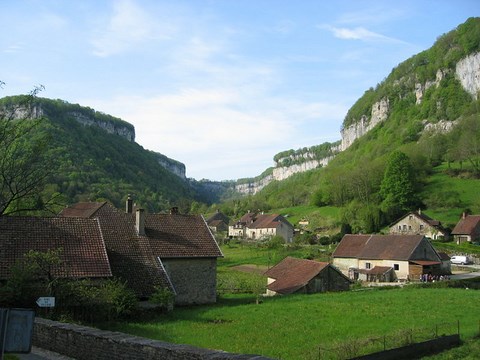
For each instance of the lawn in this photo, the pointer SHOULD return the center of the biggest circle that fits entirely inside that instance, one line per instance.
(294, 327)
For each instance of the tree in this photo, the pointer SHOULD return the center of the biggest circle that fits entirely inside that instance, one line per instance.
(398, 186)
(24, 163)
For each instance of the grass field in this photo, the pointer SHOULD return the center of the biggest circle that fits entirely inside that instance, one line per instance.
(294, 327)
(298, 326)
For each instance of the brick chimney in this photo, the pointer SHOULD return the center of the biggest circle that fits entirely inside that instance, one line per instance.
(174, 210)
(129, 205)
(140, 222)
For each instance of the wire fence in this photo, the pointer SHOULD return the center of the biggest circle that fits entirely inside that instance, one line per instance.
(360, 347)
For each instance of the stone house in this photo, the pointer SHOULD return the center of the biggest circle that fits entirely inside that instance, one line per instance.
(388, 257)
(418, 223)
(173, 251)
(467, 229)
(255, 226)
(293, 275)
(83, 254)
(218, 222)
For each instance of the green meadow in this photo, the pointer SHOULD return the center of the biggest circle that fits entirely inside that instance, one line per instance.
(308, 326)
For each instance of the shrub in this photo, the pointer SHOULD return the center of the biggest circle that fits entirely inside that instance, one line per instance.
(163, 297)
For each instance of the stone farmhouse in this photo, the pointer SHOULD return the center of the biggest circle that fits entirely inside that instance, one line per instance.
(386, 258)
(293, 275)
(172, 250)
(417, 223)
(218, 222)
(83, 252)
(255, 226)
(467, 229)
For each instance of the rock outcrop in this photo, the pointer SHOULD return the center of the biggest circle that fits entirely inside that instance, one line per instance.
(111, 127)
(378, 114)
(467, 71)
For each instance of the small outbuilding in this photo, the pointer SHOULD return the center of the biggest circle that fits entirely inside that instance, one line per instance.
(293, 275)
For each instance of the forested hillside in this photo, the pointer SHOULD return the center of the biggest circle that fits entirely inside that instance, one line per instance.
(431, 131)
(93, 156)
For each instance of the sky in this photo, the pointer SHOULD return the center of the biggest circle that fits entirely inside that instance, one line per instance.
(219, 85)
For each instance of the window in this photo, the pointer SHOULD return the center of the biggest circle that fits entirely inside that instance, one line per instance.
(409, 227)
(396, 267)
(410, 217)
(421, 227)
(368, 265)
(404, 227)
(399, 227)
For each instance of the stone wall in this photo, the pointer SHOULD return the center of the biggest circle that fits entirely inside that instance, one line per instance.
(194, 280)
(86, 343)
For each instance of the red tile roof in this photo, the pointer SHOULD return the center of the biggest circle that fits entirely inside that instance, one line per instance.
(178, 235)
(268, 221)
(137, 259)
(292, 274)
(82, 209)
(381, 247)
(83, 255)
(467, 225)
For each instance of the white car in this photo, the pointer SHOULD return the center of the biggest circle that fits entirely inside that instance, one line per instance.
(459, 260)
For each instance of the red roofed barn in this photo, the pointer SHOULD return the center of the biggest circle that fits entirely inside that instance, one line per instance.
(293, 275)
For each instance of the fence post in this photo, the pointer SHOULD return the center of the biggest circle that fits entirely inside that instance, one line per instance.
(384, 342)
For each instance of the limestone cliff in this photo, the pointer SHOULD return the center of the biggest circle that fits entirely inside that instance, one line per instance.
(124, 130)
(468, 73)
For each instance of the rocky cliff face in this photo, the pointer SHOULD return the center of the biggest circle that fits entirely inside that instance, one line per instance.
(468, 73)
(366, 123)
(301, 162)
(128, 132)
(173, 166)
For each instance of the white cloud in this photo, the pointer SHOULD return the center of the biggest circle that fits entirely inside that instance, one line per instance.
(220, 129)
(357, 33)
(128, 26)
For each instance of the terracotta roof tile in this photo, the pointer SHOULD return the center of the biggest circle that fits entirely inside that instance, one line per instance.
(292, 274)
(467, 225)
(386, 247)
(82, 209)
(84, 254)
(178, 235)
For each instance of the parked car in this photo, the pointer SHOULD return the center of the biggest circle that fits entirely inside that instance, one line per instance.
(459, 260)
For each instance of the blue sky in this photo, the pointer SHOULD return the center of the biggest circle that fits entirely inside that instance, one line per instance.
(220, 85)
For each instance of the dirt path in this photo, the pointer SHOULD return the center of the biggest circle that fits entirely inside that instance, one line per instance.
(257, 269)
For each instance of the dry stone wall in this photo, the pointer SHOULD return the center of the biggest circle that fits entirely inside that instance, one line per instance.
(87, 343)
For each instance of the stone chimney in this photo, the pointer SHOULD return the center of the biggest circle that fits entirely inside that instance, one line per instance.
(419, 211)
(464, 215)
(140, 222)
(174, 210)
(129, 205)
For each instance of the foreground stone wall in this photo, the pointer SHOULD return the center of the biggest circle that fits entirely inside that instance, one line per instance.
(86, 343)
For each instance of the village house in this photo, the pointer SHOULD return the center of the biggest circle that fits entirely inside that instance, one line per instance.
(467, 229)
(418, 223)
(293, 275)
(218, 222)
(172, 250)
(255, 226)
(387, 258)
(81, 248)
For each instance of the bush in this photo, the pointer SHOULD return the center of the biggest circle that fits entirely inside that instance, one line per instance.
(163, 297)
